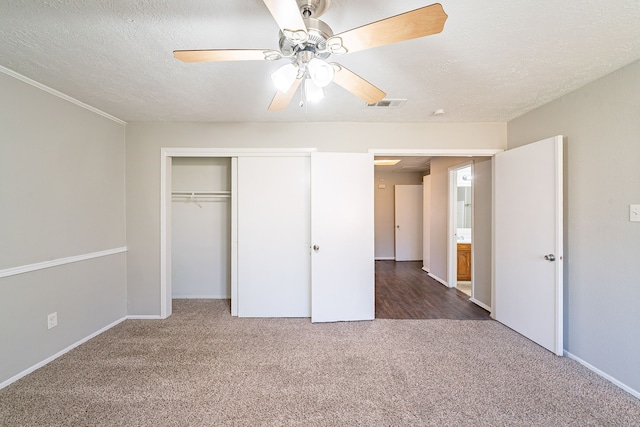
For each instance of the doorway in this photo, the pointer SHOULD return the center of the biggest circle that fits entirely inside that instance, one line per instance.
(460, 244)
(435, 222)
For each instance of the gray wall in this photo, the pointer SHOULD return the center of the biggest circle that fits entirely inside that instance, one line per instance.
(144, 141)
(601, 125)
(482, 226)
(482, 211)
(61, 195)
(384, 208)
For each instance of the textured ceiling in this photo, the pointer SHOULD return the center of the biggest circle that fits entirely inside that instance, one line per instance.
(495, 59)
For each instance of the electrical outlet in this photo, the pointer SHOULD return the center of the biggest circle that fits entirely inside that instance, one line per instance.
(52, 320)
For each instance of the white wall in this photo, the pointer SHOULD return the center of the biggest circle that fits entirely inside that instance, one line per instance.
(144, 141)
(601, 125)
(384, 203)
(61, 195)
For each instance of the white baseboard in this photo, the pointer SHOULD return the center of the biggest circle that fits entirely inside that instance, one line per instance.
(481, 304)
(58, 354)
(385, 258)
(444, 282)
(144, 317)
(634, 393)
(200, 297)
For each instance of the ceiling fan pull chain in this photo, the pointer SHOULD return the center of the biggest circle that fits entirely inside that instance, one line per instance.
(303, 97)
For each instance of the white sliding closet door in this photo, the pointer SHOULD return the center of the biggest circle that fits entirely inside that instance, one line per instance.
(273, 237)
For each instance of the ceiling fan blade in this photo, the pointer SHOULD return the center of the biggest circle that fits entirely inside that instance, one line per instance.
(281, 99)
(213, 55)
(357, 85)
(421, 22)
(288, 17)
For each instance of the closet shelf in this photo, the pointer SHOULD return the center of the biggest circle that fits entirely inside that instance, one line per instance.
(200, 195)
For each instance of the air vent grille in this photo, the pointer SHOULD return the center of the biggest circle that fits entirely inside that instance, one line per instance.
(388, 103)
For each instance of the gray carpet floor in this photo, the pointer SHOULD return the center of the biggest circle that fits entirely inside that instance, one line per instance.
(201, 367)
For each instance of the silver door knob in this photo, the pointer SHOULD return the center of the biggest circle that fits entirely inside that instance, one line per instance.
(550, 257)
(316, 248)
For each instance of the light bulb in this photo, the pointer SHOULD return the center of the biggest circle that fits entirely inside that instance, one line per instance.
(284, 77)
(320, 72)
(313, 93)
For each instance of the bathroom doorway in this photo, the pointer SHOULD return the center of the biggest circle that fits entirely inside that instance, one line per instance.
(461, 228)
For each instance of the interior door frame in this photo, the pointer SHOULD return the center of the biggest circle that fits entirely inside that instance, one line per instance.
(166, 156)
(452, 242)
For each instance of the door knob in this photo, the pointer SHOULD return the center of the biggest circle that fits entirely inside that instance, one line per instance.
(316, 248)
(550, 257)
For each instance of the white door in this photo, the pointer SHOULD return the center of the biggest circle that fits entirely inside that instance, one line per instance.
(528, 241)
(273, 237)
(342, 236)
(408, 222)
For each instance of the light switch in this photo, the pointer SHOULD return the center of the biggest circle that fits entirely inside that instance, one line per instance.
(634, 213)
(382, 186)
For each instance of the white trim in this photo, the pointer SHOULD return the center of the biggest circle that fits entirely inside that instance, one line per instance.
(208, 296)
(384, 258)
(58, 354)
(234, 236)
(437, 152)
(144, 317)
(235, 152)
(634, 393)
(60, 95)
(559, 279)
(480, 304)
(433, 276)
(57, 262)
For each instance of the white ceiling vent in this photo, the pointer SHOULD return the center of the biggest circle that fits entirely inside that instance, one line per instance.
(388, 103)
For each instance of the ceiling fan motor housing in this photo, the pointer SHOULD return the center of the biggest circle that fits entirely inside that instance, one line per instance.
(319, 32)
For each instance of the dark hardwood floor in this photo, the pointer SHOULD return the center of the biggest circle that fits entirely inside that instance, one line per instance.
(405, 291)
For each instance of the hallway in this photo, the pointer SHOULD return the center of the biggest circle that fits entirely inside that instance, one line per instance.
(405, 291)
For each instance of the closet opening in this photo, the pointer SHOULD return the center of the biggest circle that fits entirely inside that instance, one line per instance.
(200, 228)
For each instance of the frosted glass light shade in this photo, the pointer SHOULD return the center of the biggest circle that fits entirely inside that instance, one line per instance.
(313, 93)
(284, 77)
(320, 72)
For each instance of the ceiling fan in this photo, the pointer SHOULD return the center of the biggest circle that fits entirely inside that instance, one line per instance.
(306, 42)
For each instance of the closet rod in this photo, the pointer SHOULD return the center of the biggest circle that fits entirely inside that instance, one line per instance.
(200, 193)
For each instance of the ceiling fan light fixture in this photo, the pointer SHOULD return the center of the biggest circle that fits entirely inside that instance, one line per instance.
(284, 77)
(320, 72)
(334, 45)
(312, 92)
